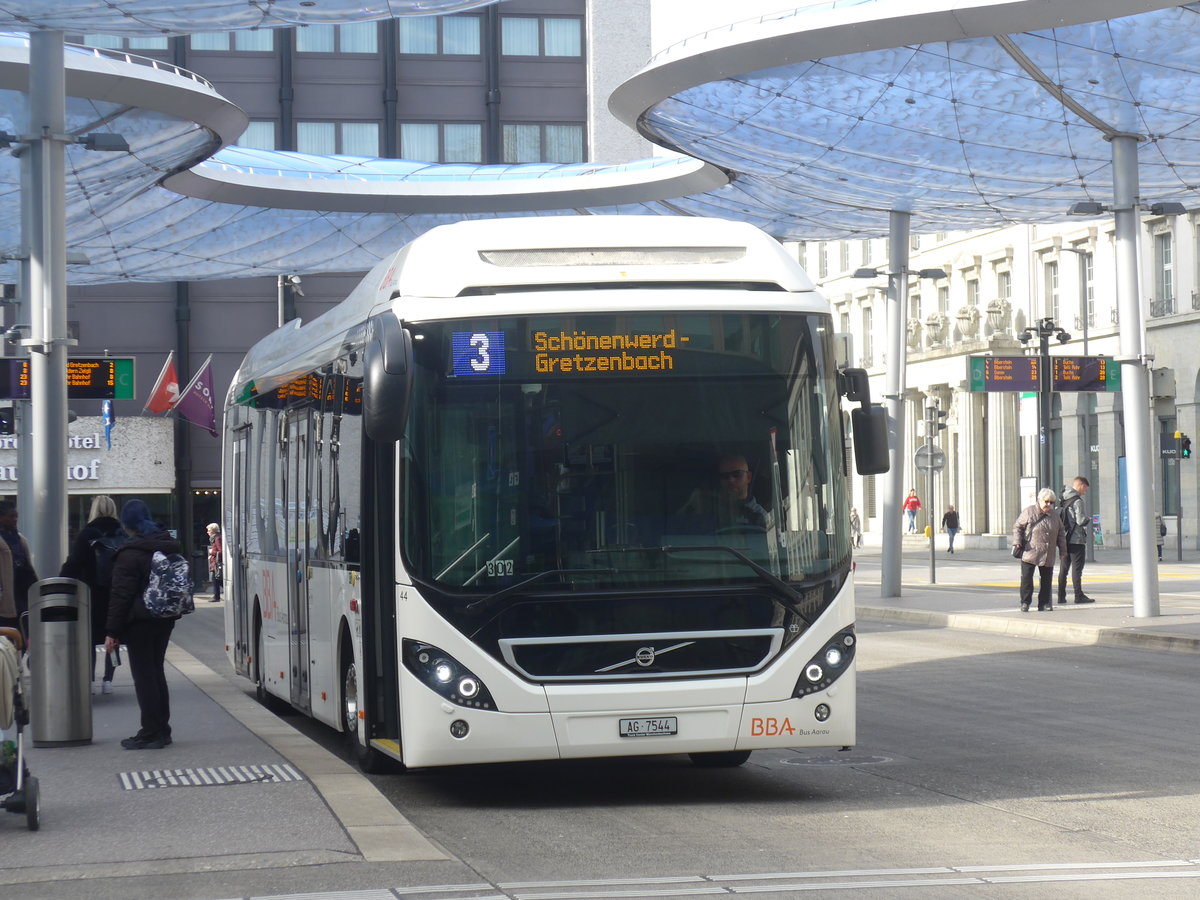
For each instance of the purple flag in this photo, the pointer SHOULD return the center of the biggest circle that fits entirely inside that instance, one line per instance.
(195, 402)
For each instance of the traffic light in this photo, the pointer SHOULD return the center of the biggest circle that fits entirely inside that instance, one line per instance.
(1185, 447)
(935, 420)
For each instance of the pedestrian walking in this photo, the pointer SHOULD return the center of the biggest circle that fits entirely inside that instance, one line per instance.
(1160, 531)
(855, 528)
(1038, 533)
(91, 561)
(950, 523)
(1077, 524)
(912, 503)
(214, 560)
(16, 568)
(131, 624)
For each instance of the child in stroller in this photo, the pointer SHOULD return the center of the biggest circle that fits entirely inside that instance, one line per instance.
(18, 789)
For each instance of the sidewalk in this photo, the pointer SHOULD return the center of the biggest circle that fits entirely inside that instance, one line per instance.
(976, 590)
(240, 790)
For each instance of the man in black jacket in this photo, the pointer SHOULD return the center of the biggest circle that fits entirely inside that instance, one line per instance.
(145, 636)
(1078, 524)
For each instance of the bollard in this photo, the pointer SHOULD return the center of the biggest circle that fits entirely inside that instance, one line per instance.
(60, 662)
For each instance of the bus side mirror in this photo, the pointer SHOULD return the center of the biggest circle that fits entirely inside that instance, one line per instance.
(870, 424)
(387, 379)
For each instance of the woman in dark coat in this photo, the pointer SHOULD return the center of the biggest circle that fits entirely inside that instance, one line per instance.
(145, 636)
(1040, 531)
(81, 565)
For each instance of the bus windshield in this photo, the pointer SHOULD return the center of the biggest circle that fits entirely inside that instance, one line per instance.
(622, 452)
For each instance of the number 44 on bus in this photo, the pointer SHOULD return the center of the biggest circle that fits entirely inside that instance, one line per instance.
(553, 487)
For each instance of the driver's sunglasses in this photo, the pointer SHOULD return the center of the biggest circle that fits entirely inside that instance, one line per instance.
(734, 473)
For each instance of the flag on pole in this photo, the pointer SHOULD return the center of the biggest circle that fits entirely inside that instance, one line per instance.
(165, 393)
(195, 403)
(108, 417)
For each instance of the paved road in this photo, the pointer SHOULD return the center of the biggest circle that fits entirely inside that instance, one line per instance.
(986, 765)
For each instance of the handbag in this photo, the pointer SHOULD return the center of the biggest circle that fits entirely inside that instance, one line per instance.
(1018, 551)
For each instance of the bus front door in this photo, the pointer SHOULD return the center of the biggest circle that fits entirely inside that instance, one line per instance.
(236, 530)
(300, 535)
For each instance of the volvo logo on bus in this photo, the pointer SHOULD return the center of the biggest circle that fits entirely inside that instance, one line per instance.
(644, 656)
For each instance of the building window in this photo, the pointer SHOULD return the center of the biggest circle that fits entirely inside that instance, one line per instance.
(134, 44)
(943, 299)
(822, 259)
(844, 256)
(1164, 275)
(457, 142)
(533, 36)
(259, 135)
(972, 292)
(866, 253)
(1050, 287)
(357, 37)
(543, 143)
(1087, 287)
(914, 305)
(439, 35)
(259, 41)
(868, 349)
(1004, 285)
(338, 138)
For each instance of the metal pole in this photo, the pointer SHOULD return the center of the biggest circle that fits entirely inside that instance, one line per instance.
(48, 306)
(893, 493)
(1135, 380)
(1179, 495)
(930, 427)
(1045, 458)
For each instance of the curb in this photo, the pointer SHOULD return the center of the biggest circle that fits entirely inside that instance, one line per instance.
(1061, 632)
(375, 826)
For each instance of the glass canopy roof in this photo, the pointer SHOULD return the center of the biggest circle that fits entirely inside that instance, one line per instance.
(820, 118)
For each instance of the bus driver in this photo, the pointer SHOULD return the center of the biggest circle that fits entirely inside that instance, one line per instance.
(731, 505)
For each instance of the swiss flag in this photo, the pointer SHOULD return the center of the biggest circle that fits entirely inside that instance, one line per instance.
(165, 393)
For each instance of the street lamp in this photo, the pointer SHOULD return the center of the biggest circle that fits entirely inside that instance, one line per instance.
(1043, 330)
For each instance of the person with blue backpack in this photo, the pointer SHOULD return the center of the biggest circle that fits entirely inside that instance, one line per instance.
(91, 561)
(150, 590)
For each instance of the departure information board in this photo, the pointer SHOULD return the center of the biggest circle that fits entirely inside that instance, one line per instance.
(97, 378)
(1023, 373)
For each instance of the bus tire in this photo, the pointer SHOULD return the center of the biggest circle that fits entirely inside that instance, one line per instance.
(370, 760)
(724, 759)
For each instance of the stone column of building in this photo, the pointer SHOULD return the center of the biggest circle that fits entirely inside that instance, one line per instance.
(1187, 417)
(1109, 437)
(1002, 466)
(971, 464)
(1074, 453)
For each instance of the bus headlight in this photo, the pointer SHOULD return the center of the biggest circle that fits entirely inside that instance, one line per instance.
(445, 675)
(828, 665)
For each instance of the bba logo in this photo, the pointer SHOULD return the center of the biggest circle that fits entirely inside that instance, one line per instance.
(770, 727)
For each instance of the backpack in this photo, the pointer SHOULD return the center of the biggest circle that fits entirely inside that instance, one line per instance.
(105, 550)
(168, 593)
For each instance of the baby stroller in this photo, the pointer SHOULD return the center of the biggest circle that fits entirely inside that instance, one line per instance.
(18, 789)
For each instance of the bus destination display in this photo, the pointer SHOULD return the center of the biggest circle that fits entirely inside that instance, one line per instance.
(570, 352)
(98, 378)
(1023, 373)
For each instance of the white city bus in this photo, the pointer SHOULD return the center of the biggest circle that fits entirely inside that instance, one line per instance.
(474, 512)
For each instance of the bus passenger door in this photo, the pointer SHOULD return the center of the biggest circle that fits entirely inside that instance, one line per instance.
(235, 531)
(300, 525)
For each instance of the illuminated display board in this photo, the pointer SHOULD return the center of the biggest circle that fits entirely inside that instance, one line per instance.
(308, 390)
(570, 352)
(1022, 373)
(98, 378)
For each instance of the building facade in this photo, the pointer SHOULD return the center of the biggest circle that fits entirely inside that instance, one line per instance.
(996, 284)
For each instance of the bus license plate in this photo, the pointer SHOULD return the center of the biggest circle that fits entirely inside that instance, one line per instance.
(649, 727)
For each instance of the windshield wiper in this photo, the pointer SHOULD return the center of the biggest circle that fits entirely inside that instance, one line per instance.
(491, 601)
(786, 592)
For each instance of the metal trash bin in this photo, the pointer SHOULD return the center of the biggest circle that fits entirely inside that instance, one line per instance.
(60, 662)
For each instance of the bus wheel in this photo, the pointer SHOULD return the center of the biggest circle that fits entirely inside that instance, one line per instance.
(725, 759)
(370, 760)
